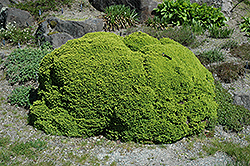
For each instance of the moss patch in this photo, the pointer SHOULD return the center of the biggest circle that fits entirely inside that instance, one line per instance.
(123, 88)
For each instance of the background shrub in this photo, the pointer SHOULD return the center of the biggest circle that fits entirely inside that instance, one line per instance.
(181, 12)
(98, 85)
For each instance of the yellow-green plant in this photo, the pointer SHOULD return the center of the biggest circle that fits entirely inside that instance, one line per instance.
(135, 88)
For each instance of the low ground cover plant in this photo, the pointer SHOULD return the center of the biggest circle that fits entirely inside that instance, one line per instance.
(232, 117)
(211, 56)
(121, 88)
(22, 96)
(228, 72)
(15, 35)
(29, 149)
(240, 155)
(22, 64)
(241, 51)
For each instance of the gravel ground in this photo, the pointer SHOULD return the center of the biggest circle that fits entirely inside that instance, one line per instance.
(98, 150)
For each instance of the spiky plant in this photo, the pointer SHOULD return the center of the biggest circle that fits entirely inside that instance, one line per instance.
(119, 17)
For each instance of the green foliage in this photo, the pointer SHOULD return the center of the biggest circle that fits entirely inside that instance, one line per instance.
(119, 17)
(44, 5)
(179, 12)
(230, 44)
(228, 72)
(241, 155)
(217, 32)
(22, 64)
(231, 116)
(21, 96)
(29, 149)
(182, 35)
(241, 51)
(98, 85)
(15, 35)
(245, 25)
(197, 28)
(21, 148)
(211, 56)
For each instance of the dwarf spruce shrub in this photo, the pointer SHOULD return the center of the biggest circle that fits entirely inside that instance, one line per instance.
(135, 88)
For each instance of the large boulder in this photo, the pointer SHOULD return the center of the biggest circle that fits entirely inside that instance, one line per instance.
(69, 30)
(135, 88)
(143, 7)
(242, 99)
(19, 18)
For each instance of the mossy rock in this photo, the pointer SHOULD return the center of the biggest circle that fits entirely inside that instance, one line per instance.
(123, 88)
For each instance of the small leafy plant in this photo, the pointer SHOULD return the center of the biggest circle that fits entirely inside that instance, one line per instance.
(179, 12)
(119, 17)
(245, 25)
(21, 96)
(15, 35)
(211, 56)
(216, 32)
(22, 64)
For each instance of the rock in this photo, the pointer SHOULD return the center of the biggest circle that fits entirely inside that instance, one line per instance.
(65, 30)
(4, 3)
(3, 15)
(15, 16)
(143, 7)
(58, 39)
(242, 99)
(76, 28)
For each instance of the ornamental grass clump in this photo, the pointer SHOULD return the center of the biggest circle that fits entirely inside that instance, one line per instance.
(119, 17)
(135, 88)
